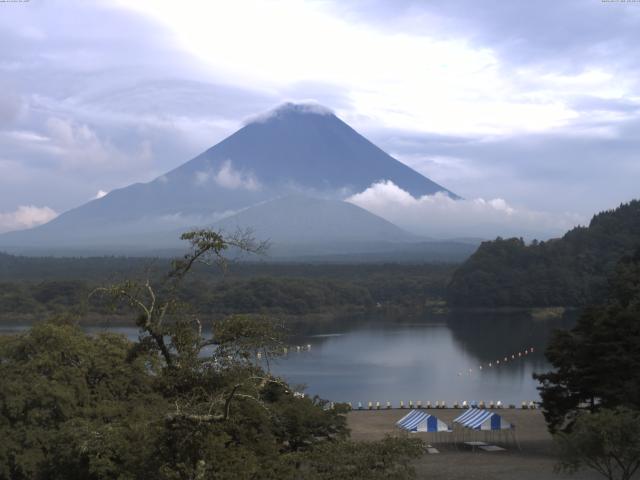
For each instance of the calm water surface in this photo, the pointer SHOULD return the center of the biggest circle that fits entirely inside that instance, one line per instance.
(425, 361)
(433, 358)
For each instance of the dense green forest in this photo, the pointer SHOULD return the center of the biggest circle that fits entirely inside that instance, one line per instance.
(596, 364)
(95, 407)
(591, 395)
(569, 271)
(32, 287)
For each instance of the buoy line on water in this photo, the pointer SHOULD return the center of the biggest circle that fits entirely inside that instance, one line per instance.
(501, 361)
(290, 349)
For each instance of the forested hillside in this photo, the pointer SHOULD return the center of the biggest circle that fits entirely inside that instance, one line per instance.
(569, 271)
(40, 287)
(599, 357)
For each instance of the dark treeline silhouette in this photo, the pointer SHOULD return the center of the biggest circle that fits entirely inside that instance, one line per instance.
(569, 271)
(40, 286)
(597, 363)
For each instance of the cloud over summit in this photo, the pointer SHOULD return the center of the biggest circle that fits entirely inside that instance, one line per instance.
(290, 107)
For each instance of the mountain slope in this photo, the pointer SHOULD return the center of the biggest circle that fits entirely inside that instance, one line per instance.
(297, 219)
(295, 148)
(302, 146)
(569, 271)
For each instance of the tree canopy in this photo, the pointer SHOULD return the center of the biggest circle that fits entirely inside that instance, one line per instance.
(178, 403)
(597, 363)
(607, 441)
(247, 288)
(569, 271)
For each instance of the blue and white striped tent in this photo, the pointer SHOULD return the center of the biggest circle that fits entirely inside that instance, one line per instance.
(419, 421)
(477, 419)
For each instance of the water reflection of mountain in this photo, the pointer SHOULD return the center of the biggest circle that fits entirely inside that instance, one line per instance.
(323, 328)
(490, 336)
(432, 357)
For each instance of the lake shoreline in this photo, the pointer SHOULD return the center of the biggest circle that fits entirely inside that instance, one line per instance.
(374, 315)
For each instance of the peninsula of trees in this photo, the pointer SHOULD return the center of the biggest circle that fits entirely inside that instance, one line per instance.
(571, 271)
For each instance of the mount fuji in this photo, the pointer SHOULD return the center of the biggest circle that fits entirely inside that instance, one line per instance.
(293, 153)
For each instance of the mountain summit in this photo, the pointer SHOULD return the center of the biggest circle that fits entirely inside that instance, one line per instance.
(307, 146)
(295, 149)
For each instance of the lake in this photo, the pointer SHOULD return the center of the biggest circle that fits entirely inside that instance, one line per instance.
(437, 358)
(429, 358)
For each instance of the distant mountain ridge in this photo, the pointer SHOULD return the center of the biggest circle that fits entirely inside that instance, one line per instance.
(295, 149)
(306, 220)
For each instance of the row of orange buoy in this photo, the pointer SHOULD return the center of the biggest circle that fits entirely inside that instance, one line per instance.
(297, 349)
(286, 350)
(502, 361)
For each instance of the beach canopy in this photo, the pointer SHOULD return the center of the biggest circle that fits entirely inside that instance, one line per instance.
(419, 421)
(477, 419)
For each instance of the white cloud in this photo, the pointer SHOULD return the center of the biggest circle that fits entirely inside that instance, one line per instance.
(228, 177)
(440, 216)
(181, 220)
(203, 176)
(78, 147)
(25, 216)
(431, 81)
(100, 194)
(25, 136)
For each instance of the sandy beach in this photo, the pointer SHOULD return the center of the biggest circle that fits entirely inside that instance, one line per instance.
(535, 461)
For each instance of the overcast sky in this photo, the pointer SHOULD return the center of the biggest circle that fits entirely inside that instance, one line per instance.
(535, 104)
